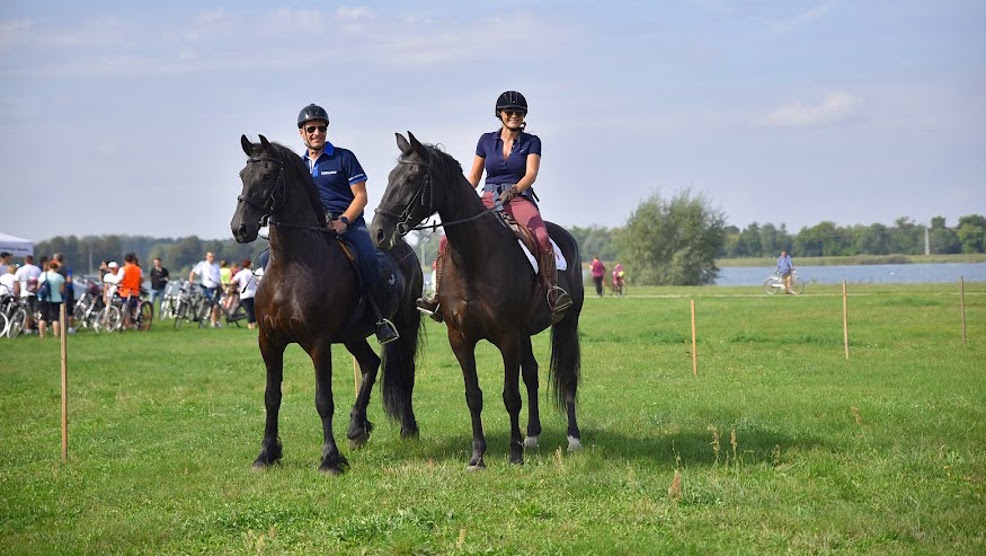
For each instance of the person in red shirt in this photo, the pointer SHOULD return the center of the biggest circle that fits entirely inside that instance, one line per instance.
(598, 272)
(128, 288)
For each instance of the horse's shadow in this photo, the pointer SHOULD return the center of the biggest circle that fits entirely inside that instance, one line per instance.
(685, 447)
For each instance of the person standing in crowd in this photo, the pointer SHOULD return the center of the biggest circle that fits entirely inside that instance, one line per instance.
(27, 280)
(245, 284)
(110, 278)
(598, 274)
(159, 279)
(128, 287)
(51, 305)
(784, 269)
(208, 270)
(8, 283)
(341, 185)
(4, 262)
(69, 296)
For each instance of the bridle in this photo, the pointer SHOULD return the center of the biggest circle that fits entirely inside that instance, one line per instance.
(276, 199)
(426, 191)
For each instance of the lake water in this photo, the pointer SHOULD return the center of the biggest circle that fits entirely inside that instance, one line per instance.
(861, 274)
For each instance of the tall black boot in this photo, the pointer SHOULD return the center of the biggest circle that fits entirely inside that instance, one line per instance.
(558, 299)
(386, 331)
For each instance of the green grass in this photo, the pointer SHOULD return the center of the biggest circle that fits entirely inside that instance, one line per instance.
(857, 260)
(880, 454)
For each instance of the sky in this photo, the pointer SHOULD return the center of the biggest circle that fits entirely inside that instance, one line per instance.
(125, 117)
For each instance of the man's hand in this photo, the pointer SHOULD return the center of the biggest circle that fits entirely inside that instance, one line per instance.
(509, 194)
(338, 226)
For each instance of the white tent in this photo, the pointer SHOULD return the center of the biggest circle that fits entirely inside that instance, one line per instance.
(16, 246)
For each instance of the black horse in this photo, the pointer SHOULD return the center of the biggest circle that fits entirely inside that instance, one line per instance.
(309, 295)
(488, 290)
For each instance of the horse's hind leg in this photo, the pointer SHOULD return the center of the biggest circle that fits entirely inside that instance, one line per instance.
(333, 463)
(529, 369)
(359, 425)
(270, 448)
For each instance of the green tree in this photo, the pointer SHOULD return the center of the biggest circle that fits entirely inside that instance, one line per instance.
(972, 233)
(672, 242)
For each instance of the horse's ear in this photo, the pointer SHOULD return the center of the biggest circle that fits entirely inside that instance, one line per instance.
(247, 145)
(264, 142)
(415, 144)
(402, 144)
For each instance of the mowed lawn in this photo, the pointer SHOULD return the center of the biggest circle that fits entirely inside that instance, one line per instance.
(779, 445)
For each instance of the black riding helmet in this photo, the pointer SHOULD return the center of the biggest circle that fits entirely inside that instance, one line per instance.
(510, 99)
(312, 112)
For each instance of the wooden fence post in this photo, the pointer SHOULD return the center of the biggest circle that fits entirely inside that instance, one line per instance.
(64, 340)
(962, 306)
(845, 320)
(694, 344)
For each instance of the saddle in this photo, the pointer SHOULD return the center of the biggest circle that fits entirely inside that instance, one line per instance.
(523, 233)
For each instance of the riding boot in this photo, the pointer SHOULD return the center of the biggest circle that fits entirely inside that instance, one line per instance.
(386, 331)
(430, 306)
(558, 299)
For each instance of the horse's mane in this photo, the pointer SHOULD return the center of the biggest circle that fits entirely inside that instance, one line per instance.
(295, 166)
(447, 165)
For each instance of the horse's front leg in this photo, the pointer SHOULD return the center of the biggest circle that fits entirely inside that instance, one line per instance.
(529, 369)
(333, 463)
(359, 425)
(465, 352)
(273, 354)
(510, 350)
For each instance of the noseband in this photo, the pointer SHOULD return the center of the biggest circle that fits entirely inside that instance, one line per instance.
(276, 198)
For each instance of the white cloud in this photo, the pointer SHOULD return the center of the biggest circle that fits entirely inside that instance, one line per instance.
(836, 107)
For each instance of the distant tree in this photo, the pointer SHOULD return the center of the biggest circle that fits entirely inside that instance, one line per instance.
(773, 240)
(672, 242)
(972, 233)
(750, 240)
(873, 240)
(906, 237)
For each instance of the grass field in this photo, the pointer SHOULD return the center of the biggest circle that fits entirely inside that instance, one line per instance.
(779, 445)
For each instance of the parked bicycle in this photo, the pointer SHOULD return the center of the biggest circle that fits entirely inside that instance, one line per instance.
(15, 312)
(775, 283)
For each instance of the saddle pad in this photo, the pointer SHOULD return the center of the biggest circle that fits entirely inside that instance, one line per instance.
(560, 262)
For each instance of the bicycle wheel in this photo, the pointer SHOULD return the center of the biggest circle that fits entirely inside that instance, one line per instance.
(4, 324)
(18, 322)
(145, 316)
(109, 319)
(798, 285)
(236, 315)
(771, 286)
(180, 314)
(204, 315)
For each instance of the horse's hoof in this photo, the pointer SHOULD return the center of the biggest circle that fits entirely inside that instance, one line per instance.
(331, 471)
(479, 466)
(531, 442)
(574, 444)
(359, 440)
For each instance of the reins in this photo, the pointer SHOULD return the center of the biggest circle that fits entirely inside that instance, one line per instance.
(402, 227)
(275, 200)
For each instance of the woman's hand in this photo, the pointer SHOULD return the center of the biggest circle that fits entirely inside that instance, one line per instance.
(509, 194)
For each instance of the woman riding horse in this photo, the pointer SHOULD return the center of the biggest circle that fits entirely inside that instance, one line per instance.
(511, 159)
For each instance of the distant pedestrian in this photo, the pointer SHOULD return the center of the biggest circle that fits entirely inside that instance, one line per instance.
(598, 274)
(245, 284)
(4, 262)
(66, 271)
(159, 279)
(785, 267)
(51, 304)
(27, 282)
(208, 270)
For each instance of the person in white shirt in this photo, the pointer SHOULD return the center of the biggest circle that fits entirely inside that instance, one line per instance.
(245, 283)
(208, 270)
(27, 280)
(8, 283)
(4, 262)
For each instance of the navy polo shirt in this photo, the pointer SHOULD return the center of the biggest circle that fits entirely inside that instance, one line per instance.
(500, 171)
(334, 172)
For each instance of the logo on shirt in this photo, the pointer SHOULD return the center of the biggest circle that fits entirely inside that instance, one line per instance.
(329, 172)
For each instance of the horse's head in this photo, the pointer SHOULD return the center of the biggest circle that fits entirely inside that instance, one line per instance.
(263, 188)
(410, 195)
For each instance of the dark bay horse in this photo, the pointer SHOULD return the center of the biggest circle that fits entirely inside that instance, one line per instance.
(488, 289)
(309, 296)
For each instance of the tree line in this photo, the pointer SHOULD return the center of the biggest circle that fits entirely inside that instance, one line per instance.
(673, 241)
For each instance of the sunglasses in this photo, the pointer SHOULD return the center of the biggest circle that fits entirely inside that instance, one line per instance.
(312, 128)
(514, 112)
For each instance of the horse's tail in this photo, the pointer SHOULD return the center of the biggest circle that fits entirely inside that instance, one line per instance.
(400, 356)
(566, 360)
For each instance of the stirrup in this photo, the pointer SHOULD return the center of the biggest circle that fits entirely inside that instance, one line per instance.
(562, 300)
(386, 332)
(430, 307)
